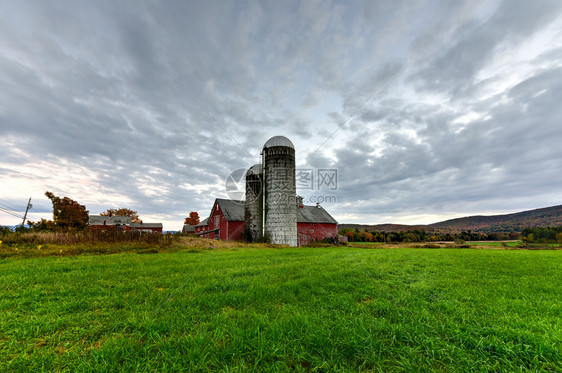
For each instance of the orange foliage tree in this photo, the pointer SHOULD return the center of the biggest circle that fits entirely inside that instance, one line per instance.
(123, 212)
(193, 218)
(67, 213)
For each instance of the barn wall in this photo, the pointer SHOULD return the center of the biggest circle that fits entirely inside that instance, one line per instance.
(229, 230)
(236, 230)
(318, 231)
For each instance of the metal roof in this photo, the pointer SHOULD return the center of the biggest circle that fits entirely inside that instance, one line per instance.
(278, 141)
(232, 210)
(314, 214)
(146, 225)
(108, 220)
(254, 170)
(204, 223)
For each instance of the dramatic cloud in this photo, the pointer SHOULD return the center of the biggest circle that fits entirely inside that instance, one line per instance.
(428, 110)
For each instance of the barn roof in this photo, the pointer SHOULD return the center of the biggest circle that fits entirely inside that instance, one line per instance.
(187, 228)
(232, 210)
(204, 223)
(314, 214)
(146, 225)
(108, 220)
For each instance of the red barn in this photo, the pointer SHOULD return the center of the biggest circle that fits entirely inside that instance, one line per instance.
(226, 222)
(314, 223)
(202, 227)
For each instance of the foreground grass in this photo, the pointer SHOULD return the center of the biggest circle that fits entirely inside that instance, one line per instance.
(309, 309)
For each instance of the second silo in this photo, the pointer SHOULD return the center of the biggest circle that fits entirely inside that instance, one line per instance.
(253, 205)
(280, 216)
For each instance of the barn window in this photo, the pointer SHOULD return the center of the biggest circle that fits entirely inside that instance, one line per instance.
(312, 231)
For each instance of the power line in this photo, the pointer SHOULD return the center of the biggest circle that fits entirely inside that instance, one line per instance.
(11, 213)
(9, 205)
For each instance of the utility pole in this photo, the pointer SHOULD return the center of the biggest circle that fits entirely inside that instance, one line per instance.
(29, 205)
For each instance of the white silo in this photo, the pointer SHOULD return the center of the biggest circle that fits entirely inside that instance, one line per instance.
(280, 215)
(253, 205)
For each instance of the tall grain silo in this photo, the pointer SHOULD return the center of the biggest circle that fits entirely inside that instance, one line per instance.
(280, 224)
(253, 205)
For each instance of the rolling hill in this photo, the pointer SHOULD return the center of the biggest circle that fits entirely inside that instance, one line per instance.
(516, 222)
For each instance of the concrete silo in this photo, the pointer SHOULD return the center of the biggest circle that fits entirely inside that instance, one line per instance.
(253, 205)
(280, 217)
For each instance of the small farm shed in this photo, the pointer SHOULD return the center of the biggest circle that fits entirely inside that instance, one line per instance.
(146, 227)
(202, 227)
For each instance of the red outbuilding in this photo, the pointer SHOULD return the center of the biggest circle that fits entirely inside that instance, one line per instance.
(315, 223)
(202, 227)
(226, 221)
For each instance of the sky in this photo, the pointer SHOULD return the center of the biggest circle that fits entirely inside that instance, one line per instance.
(419, 111)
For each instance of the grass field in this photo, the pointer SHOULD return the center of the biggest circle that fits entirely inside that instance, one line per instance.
(307, 309)
(495, 243)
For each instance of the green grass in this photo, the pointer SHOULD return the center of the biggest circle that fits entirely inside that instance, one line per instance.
(308, 309)
(495, 243)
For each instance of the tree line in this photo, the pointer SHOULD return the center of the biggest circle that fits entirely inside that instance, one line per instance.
(542, 235)
(420, 235)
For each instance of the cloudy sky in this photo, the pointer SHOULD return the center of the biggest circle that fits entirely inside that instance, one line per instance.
(428, 110)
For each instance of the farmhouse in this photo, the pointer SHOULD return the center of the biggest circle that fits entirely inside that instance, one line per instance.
(108, 223)
(146, 227)
(121, 223)
(226, 222)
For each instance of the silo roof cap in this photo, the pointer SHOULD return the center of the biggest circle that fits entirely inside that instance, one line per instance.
(279, 141)
(254, 170)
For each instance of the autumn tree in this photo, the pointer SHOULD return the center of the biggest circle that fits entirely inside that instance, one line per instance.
(350, 235)
(123, 212)
(67, 213)
(193, 218)
(42, 225)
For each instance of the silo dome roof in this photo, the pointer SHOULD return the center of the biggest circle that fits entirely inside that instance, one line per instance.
(279, 141)
(254, 170)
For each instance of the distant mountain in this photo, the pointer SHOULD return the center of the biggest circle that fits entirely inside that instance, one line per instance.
(383, 227)
(543, 217)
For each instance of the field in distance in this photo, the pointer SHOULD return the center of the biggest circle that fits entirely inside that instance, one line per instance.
(284, 309)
